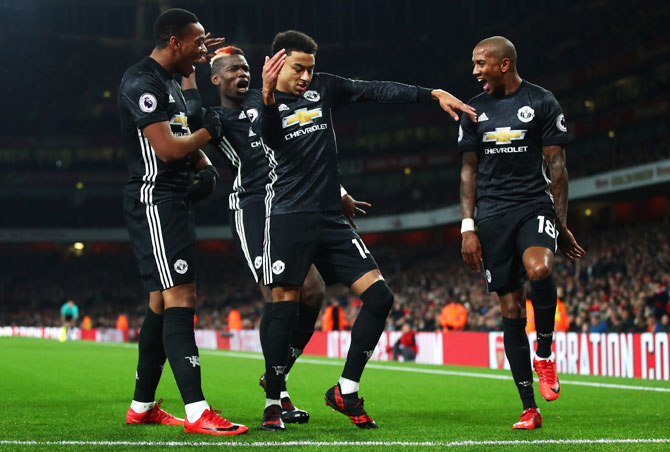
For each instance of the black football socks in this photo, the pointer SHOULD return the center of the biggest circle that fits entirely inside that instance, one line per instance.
(265, 322)
(302, 332)
(517, 350)
(276, 349)
(151, 357)
(179, 341)
(543, 296)
(368, 327)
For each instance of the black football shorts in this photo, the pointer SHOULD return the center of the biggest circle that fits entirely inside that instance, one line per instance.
(248, 227)
(504, 238)
(295, 241)
(162, 237)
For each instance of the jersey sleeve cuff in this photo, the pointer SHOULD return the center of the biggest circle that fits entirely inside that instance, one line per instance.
(424, 94)
(143, 122)
(467, 148)
(558, 141)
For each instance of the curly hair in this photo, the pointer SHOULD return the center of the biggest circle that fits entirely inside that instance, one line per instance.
(294, 40)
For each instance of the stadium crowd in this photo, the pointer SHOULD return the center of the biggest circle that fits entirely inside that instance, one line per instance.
(400, 193)
(622, 285)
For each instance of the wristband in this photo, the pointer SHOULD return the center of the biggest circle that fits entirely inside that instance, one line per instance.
(468, 224)
(342, 192)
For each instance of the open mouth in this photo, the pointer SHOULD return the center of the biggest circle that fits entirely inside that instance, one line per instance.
(243, 85)
(485, 84)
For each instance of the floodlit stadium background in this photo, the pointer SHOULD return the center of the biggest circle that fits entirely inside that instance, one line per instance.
(63, 169)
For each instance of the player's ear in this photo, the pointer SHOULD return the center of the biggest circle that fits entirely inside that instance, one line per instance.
(505, 64)
(215, 79)
(174, 43)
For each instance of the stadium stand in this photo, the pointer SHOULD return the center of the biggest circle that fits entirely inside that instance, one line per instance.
(62, 166)
(625, 277)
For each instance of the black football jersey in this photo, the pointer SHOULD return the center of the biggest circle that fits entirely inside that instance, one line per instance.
(245, 153)
(304, 175)
(149, 94)
(509, 135)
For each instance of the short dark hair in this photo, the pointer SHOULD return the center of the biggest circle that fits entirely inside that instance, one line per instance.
(217, 60)
(294, 40)
(172, 22)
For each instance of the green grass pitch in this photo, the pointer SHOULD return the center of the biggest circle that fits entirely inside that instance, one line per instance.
(79, 392)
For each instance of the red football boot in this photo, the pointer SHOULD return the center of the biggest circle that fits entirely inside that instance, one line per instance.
(352, 408)
(550, 388)
(530, 419)
(152, 416)
(272, 419)
(212, 424)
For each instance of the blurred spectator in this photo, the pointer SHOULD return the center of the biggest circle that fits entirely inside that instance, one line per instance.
(234, 320)
(405, 346)
(86, 323)
(597, 325)
(122, 322)
(454, 316)
(664, 325)
(333, 318)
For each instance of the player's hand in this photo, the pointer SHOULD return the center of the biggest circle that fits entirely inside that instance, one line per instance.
(350, 207)
(569, 246)
(471, 250)
(210, 43)
(271, 70)
(212, 123)
(203, 185)
(450, 103)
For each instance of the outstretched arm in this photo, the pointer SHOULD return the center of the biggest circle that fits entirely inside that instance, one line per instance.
(384, 91)
(449, 103)
(555, 158)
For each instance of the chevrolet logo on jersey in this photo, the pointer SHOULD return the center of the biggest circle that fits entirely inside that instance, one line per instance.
(180, 120)
(503, 135)
(302, 117)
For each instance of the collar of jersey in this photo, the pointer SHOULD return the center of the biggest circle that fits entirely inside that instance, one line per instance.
(160, 68)
(509, 96)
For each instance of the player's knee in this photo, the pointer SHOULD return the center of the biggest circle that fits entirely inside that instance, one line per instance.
(378, 299)
(180, 296)
(512, 310)
(512, 303)
(539, 271)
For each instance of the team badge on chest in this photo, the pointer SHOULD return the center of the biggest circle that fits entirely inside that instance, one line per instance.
(312, 96)
(525, 114)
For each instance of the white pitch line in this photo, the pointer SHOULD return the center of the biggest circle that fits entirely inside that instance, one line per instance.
(452, 444)
(441, 372)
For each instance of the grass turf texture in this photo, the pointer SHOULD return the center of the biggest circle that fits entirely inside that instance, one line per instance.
(80, 391)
